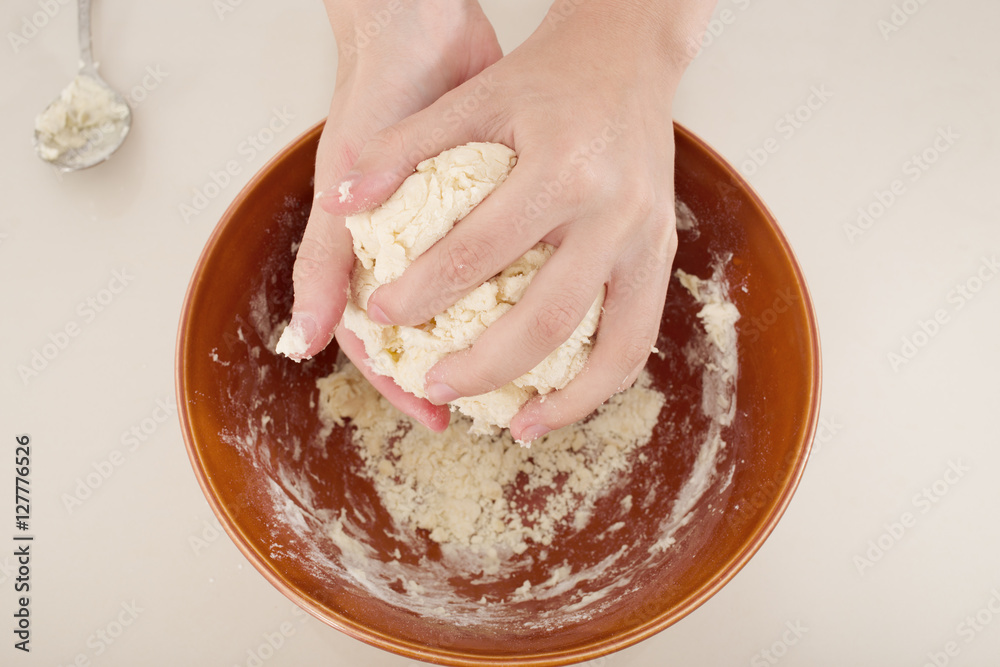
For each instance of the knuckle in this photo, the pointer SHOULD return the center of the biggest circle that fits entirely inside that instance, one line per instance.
(663, 218)
(480, 382)
(466, 262)
(671, 245)
(641, 275)
(637, 198)
(553, 323)
(587, 186)
(401, 308)
(322, 258)
(632, 353)
(310, 263)
(390, 142)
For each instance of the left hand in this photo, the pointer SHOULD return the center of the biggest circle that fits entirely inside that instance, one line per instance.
(428, 48)
(586, 104)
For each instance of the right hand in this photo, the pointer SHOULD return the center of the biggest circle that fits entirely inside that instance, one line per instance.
(415, 55)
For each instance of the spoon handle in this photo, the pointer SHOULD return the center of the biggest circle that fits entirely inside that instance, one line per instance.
(83, 27)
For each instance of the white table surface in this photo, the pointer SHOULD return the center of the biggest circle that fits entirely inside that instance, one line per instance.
(143, 549)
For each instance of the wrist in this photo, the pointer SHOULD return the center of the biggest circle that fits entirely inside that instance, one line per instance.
(668, 30)
(363, 28)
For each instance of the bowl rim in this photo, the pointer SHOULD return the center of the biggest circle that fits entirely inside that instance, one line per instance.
(588, 651)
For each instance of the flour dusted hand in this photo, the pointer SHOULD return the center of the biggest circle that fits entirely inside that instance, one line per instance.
(585, 102)
(442, 191)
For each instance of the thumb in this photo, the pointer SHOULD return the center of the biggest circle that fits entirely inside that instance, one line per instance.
(320, 279)
(393, 153)
(323, 263)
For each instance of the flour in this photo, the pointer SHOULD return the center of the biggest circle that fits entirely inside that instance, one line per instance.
(718, 355)
(462, 490)
(501, 560)
(460, 486)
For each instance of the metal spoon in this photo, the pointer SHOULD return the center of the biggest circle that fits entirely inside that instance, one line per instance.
(89, 120)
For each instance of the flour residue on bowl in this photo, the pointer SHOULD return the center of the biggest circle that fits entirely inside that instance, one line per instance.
(717, 354)
(476, 524)
(464, 492)
(466, 489)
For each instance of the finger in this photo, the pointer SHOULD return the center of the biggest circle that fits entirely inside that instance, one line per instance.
(555, 303)
(434, 417)
(393, 153)
(481, 245)
(320, 280)
(628, 331)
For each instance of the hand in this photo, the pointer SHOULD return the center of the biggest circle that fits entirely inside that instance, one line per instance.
(585, 102)
(419, 53)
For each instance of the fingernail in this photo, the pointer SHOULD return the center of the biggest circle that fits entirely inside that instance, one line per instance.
(533, 432)
(341, 192)
(378, 316)
(439, 393)
(297, 337)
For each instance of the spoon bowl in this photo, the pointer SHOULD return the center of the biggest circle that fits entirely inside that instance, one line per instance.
(89, 120)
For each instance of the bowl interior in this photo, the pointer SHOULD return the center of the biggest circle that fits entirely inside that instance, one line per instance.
(255, 441)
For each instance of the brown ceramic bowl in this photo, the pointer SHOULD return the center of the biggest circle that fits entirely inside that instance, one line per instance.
(251, 429)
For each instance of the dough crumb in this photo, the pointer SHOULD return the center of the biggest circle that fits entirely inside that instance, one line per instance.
(464, 488)
(345, 192)
(293, 343)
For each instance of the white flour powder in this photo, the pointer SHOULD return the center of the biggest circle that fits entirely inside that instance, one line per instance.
(458, 485)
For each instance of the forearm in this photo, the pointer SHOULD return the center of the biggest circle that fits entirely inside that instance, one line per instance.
(660, 31)
(443, 40)
(357, 23)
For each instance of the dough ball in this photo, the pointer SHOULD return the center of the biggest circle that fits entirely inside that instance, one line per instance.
(442, 191)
